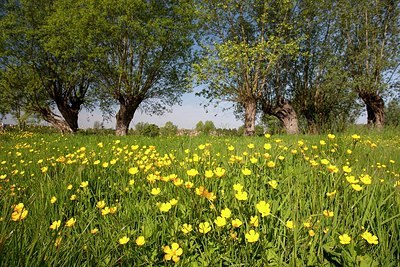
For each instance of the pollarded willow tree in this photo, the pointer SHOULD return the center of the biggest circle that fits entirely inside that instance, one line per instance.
(240, 48)
(147, 55)
(46, 41)
(371, 32)
(316, 77)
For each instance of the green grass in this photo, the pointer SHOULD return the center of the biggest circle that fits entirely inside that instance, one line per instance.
(36, 167)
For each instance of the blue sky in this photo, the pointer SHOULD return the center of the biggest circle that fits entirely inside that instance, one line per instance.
(185, 116)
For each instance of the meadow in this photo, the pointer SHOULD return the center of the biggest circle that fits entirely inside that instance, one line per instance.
(99, 200)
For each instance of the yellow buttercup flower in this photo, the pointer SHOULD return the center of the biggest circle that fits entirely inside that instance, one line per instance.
(246, 172)
(113, 210)
(140, 241)
(273, 184)
(289, 224)
(189, 184)
(333, 169)
(192, 172)
(328, 213)
(252, 236)
(173, 202)
(204, 227)
(324, 161)
(220, 221)
(366, 179)
(226, 213)
(186, 228)
(123, 240)
(356, 187)
(20, 212)
(238, 187)
(53, 200)
(100, 204)
(241, 195)
(105, 211)
(267, 146)
(19, 216)
(271, 164)
(371, 239)
(71, 222)
(344, 239)
(346, 169)
(331, 194)
(155, 191)
(173, 252)
(254, 221)
(351, 179)
(208, 173)
(236, 223)
(165, 207)
(311, 233)
(84, 184)
(219, 172)
(133, 170)
(264, 208)
(55, 225)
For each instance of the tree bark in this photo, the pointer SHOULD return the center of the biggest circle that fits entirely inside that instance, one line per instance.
(287, 116)
(375, 109)
(284, 111)
(70, 115)
(250, 107)
(124, 117)
(54, 120)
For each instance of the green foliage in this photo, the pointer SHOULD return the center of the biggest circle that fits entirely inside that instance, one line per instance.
(209, 127)
(147, 52)
(47, 44)
(206, 128)
(243, 43)
(147, 129)
(169, 129)
(392, 113)
(272, 124)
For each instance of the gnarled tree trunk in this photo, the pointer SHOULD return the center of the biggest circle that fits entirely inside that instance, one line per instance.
(286, 114)
(55, 120)
(250, 107)
(125, 115)
(284, 111)
(70, 115)
(375, 109)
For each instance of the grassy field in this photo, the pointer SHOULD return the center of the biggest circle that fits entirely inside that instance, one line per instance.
(203, 201)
